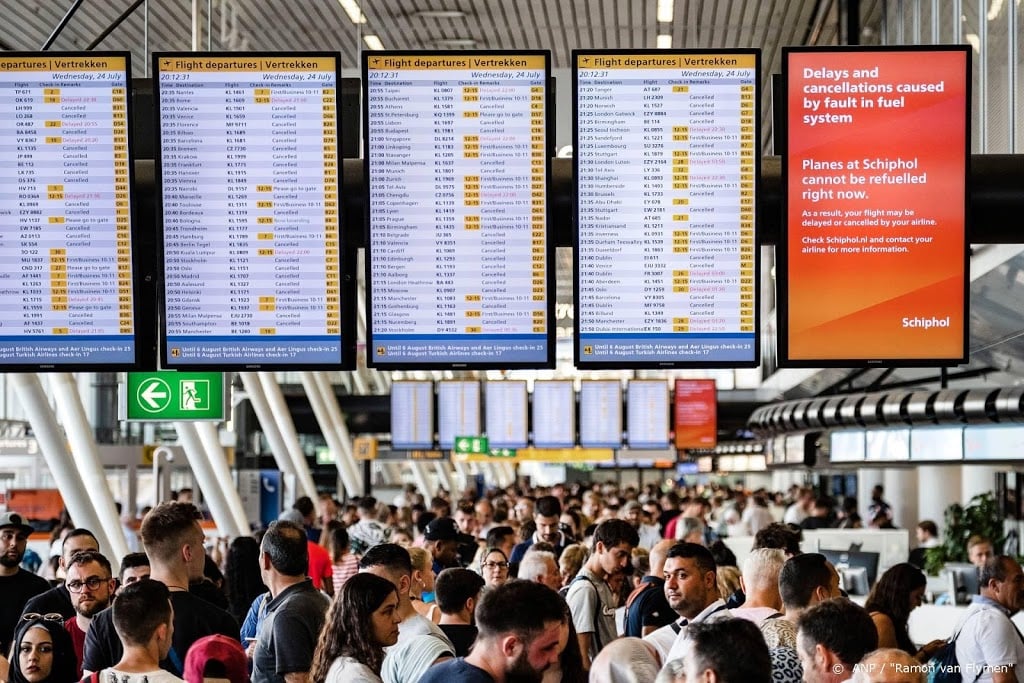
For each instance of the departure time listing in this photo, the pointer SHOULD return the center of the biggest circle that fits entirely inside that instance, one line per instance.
(458, 160)
(65, 212)
(666, 149)
(249, 172)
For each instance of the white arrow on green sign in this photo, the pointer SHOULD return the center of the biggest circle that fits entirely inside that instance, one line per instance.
(170, 395)
(471, 444)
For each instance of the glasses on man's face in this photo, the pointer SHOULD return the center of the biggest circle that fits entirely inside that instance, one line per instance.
(49, 616)
(495, 565)
(92, 583)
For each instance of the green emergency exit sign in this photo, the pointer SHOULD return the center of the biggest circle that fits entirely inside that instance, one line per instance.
(471, 444)
(169, 395)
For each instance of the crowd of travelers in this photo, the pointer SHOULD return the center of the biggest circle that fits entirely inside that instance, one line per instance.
(563, 583)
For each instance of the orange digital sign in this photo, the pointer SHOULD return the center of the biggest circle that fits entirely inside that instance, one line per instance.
(696, 413)
(874, 251)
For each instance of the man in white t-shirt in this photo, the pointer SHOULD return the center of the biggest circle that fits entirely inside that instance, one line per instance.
(590, 600)
(691, 589)
(144, 621)
(800, 509)
(989, 643)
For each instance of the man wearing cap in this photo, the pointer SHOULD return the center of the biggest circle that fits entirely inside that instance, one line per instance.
(17, 586)
(216, 657)
(442, 538)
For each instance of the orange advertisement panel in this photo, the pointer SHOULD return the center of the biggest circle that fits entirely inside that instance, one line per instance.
(696, 413)
(875, 165)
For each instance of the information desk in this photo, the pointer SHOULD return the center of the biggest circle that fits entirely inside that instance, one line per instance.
(248, 169)
(666, 157)
(459, 261)
(66, 289)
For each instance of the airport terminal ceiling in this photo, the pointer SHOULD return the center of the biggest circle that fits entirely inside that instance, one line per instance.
(997, 324)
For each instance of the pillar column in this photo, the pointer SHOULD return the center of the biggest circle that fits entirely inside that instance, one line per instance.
(54, 448)
(87, 459)
(976, 479)
(901, 493)
(938, 487)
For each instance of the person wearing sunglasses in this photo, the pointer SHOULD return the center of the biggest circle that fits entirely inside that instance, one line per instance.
(494, 568)
(42, 652)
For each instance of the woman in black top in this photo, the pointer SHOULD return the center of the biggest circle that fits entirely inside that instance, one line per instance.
(898, 592)
(43, 652)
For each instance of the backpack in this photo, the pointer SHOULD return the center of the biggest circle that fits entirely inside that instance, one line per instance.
(629, 603)
(943, 667)
(596, 638)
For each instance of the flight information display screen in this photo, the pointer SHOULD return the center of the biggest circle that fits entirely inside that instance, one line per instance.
(66, 290)
(459, 265)
(554, 413)
(505, 409)
(647, 414)
(412, 415)
(601, 413)
(666, 168)
(248, 169)
(458, 411)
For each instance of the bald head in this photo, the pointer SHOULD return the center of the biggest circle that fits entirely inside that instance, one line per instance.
(658, 555)
(889, 665)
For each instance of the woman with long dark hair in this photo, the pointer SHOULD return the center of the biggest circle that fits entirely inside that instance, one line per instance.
(362, 621)
(896, 594)
(42, 652)
(242, 581)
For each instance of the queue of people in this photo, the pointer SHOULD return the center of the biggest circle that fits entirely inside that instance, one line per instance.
(560, 584)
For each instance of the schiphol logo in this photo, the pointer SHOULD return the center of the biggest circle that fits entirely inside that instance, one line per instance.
(926, 323)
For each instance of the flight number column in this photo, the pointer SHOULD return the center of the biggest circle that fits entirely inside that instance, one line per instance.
(446, 178)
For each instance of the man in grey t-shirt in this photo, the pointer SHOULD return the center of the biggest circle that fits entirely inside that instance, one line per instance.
(590, 600)
(295, 610)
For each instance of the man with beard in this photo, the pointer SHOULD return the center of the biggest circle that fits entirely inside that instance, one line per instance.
(17, 586)
(519, 624)
(57, 600)
(691, 589)
(91, 585)
(547, 512)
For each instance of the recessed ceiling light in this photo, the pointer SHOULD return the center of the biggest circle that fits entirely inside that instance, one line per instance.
(373, 42)
(664, 41)
(354, 12)
(438, 14)
(455, 42)
(666, 8)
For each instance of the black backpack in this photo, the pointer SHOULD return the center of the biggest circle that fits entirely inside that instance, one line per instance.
(943, 667)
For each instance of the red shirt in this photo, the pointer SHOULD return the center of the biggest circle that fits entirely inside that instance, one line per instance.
(319, 565)
(77, 640)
